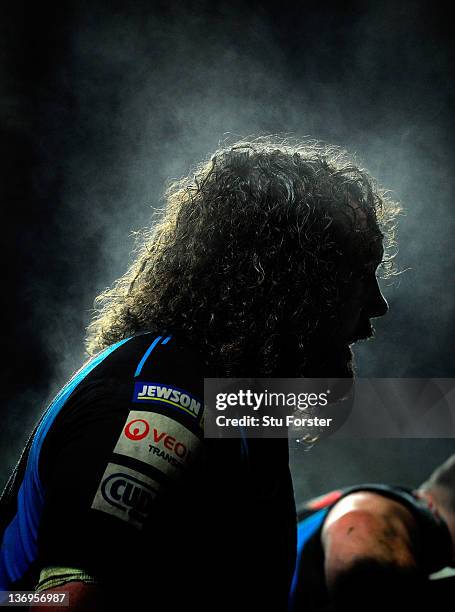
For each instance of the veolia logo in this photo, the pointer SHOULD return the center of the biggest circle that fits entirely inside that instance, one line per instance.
(137, 429)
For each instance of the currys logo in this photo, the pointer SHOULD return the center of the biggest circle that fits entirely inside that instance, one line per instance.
(128, 494)
(155, 392)
(137, 429)
(125, 493)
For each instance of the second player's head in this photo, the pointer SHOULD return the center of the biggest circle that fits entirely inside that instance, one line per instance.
(439, 489)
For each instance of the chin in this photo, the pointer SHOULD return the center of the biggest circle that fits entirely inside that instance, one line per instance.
(332, 363)
(326, 359)
(339, 375)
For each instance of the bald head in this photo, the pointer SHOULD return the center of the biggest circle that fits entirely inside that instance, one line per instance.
(441, 484)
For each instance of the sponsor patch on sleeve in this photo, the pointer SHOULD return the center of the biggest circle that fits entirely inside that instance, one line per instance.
(125, 493)
(158, 441)
(173, 397)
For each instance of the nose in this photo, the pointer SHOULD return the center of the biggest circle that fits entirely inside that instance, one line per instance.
(377, 304)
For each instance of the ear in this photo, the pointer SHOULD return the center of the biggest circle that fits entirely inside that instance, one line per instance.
(429, 499)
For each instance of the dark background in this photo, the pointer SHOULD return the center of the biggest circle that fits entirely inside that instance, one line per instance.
(103, 102)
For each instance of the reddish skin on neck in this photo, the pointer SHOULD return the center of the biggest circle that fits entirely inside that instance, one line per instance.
(366, 526)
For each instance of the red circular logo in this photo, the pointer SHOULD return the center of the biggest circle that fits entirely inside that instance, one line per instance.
(137, 429)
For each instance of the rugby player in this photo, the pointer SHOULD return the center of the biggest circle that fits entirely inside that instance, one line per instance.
(375, 546)
(262, 263)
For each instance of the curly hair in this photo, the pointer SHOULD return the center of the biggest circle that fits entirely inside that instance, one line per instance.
(247, 244)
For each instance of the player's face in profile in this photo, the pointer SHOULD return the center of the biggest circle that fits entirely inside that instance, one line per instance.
(361, 300)
(328, 352)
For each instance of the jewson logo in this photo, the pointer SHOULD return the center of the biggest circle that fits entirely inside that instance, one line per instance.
(178, 398)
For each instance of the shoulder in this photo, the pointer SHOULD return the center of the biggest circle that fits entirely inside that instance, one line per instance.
(144, 369)
(149, 354)
(151, 381)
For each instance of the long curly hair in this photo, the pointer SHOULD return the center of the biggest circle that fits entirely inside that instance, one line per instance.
(246, 245)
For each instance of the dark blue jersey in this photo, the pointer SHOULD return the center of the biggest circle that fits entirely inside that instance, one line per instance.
(118, 480)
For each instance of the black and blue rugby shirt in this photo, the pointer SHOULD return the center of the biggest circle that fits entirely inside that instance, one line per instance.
(118, 481)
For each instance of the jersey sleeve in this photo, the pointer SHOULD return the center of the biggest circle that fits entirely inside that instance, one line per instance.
(119, 466)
